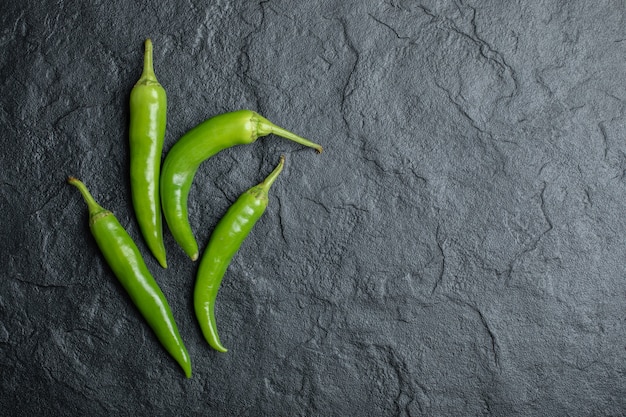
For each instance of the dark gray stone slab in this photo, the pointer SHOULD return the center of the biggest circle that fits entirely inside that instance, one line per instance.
(458, 248)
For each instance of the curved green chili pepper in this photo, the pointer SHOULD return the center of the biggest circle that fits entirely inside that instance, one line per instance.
(148, 108)
(122, 255)
(197, 145)
(225, 241)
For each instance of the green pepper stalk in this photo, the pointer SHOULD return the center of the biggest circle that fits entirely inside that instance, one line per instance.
(148, 108)
(124, 258)
(196, 146)
(225, 241)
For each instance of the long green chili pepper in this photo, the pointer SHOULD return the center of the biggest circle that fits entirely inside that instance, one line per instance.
(197, 145)
(148, 108)
(225, 241)
(122, 255)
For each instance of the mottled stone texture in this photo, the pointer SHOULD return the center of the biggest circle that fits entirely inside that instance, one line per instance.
(458, 249)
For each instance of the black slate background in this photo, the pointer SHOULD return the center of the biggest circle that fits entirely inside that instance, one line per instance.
(458, 248)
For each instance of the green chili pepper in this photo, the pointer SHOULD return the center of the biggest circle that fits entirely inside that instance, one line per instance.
(122, 255)
(225, 241)
(197, 145)
(148, 108)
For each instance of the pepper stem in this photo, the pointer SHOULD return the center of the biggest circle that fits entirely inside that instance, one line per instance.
(265, 127)
(148, 68)
(94, 208)
(269, 180)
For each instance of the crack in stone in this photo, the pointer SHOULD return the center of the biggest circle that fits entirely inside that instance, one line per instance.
(588, 200)
(346, 93)
(544, 211)
(492, 337)
(484, 45)
(400, 172)
(486, 50)
(401, 370)
(351, 207)
(535, 243)
(89, 334)
(388, 27)
(539, 77)
(244, 60)
(322, 205)
(443, 261)
(43, 205)
(474, 124)
(281, 224)
(43, 285)
(487, 404)
(459, 107)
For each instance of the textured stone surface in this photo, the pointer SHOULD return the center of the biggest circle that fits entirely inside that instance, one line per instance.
(458, 249)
